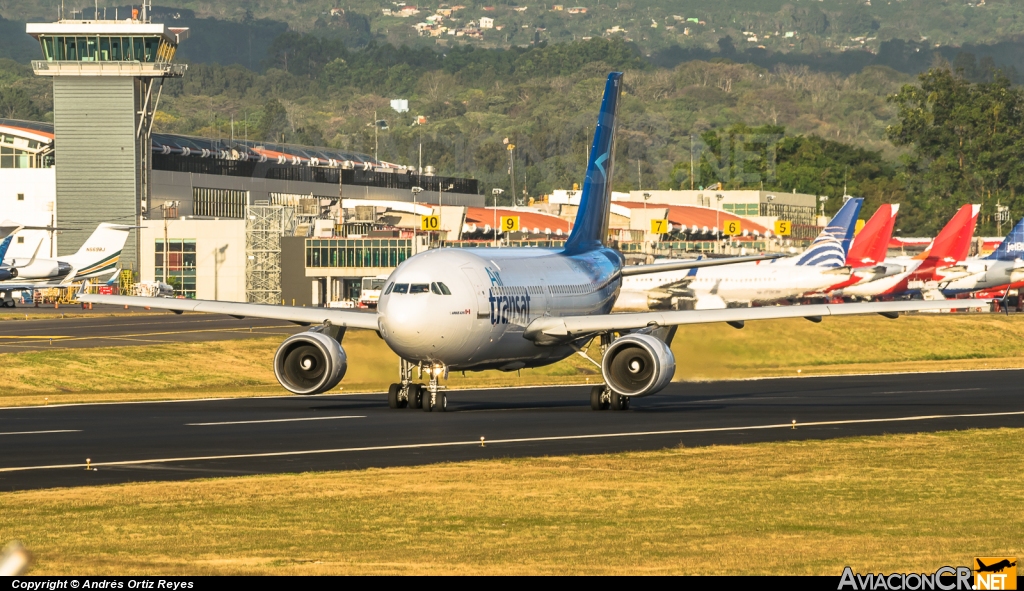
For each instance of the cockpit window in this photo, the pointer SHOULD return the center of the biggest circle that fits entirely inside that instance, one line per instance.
(435, 289)
(390, 287)
(419, 288)
(401, 288)
(444, 288)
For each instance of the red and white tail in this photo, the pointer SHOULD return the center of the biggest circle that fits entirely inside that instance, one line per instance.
(872, 243)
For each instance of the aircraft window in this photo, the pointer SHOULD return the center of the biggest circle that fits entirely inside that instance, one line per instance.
(390, 287)
(401, 288)
(434, 288)
(419, 288)
(444, 288)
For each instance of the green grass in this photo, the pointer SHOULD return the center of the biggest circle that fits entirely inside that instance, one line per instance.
(879, 504)
(714, 351)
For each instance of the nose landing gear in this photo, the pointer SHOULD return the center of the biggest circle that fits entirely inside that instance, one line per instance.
(407, 394)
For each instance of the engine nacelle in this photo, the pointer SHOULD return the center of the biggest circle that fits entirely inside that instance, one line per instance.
(7, 274)
(638, 365)
(310, 363)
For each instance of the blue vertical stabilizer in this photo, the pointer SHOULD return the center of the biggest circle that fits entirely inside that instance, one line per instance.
(591, 227)
(829, 249)
(1012, 246)
(4, 246)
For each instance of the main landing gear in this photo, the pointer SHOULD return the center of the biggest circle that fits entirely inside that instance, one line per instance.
(603, 398)
(407, 394)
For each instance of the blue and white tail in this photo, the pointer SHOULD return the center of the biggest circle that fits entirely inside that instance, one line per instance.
(1012, 247)
(829, 249)
(591, 228)
(4, 246)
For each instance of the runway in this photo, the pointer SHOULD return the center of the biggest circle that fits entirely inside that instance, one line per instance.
(48, 446)
(99, 329)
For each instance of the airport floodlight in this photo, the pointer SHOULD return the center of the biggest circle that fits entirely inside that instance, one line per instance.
(647, 196)
(417, 190)
(496, 191)
(771, 198)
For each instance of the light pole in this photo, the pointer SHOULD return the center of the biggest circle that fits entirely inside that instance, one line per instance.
(768, 210)
(495, 191)
(163, 212)
(718, 226)
(415, 191)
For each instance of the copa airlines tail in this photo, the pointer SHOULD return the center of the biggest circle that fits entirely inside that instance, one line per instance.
(4, 246)
(591, 228)
(829, 249)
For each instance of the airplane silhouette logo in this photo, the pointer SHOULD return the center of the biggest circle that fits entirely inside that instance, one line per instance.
(994, 567)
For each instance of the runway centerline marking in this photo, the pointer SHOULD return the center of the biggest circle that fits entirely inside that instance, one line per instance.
(279, 454)
(275, 421)
(42, 432)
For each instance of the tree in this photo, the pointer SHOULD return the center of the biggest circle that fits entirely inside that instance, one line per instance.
(966, 142)
(273, 121)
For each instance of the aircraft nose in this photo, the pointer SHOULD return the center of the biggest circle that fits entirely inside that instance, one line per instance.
(407, 323)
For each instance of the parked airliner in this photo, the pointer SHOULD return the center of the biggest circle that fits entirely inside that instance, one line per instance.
(1003, 269)
(453, 309)
(815, 269)
(922, 274)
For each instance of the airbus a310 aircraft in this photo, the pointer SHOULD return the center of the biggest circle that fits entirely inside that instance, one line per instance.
(454, 309)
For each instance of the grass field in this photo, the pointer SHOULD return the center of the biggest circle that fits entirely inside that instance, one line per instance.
(878, 504)
(775, 348)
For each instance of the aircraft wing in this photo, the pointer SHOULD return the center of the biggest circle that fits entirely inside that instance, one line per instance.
(553, 330)
(346, 318)
(693, 264)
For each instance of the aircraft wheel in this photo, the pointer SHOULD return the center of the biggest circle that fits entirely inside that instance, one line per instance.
(595, 398)
(441, 403)
(393, 400)
(427, 407)
(619, 402)
(415, 395)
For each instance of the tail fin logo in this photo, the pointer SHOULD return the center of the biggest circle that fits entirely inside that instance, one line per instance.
(600, 164)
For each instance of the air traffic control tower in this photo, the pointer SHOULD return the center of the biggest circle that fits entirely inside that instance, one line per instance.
(107, 80)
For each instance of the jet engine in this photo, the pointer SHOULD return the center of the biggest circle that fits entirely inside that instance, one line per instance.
(310, 363)
(7, 274)
(638, 365)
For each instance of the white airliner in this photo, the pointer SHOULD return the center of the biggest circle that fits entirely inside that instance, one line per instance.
(454, 309)
(820, 266)
(98, 257)
(1003, 269)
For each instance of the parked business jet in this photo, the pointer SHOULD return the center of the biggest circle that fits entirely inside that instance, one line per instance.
(923, 274)
(1001, 270)
(453, 309)
(815, 269)
(98, 257)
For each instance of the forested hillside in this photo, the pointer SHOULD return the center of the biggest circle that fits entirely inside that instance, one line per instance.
(786, 128)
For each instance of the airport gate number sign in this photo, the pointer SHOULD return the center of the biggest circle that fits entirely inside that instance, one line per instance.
(733, 228)
(430, 223)
(783, 228)
(659, 226)
(510, 223)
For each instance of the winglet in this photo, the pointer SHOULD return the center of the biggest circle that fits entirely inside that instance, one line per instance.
(591, 228)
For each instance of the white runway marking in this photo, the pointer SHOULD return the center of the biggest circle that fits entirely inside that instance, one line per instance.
(42, 432)
(273, 421)
(930, 391)
(279, 454)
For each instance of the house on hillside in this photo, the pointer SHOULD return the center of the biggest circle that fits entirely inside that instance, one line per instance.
(578, 10)
(486, 22)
